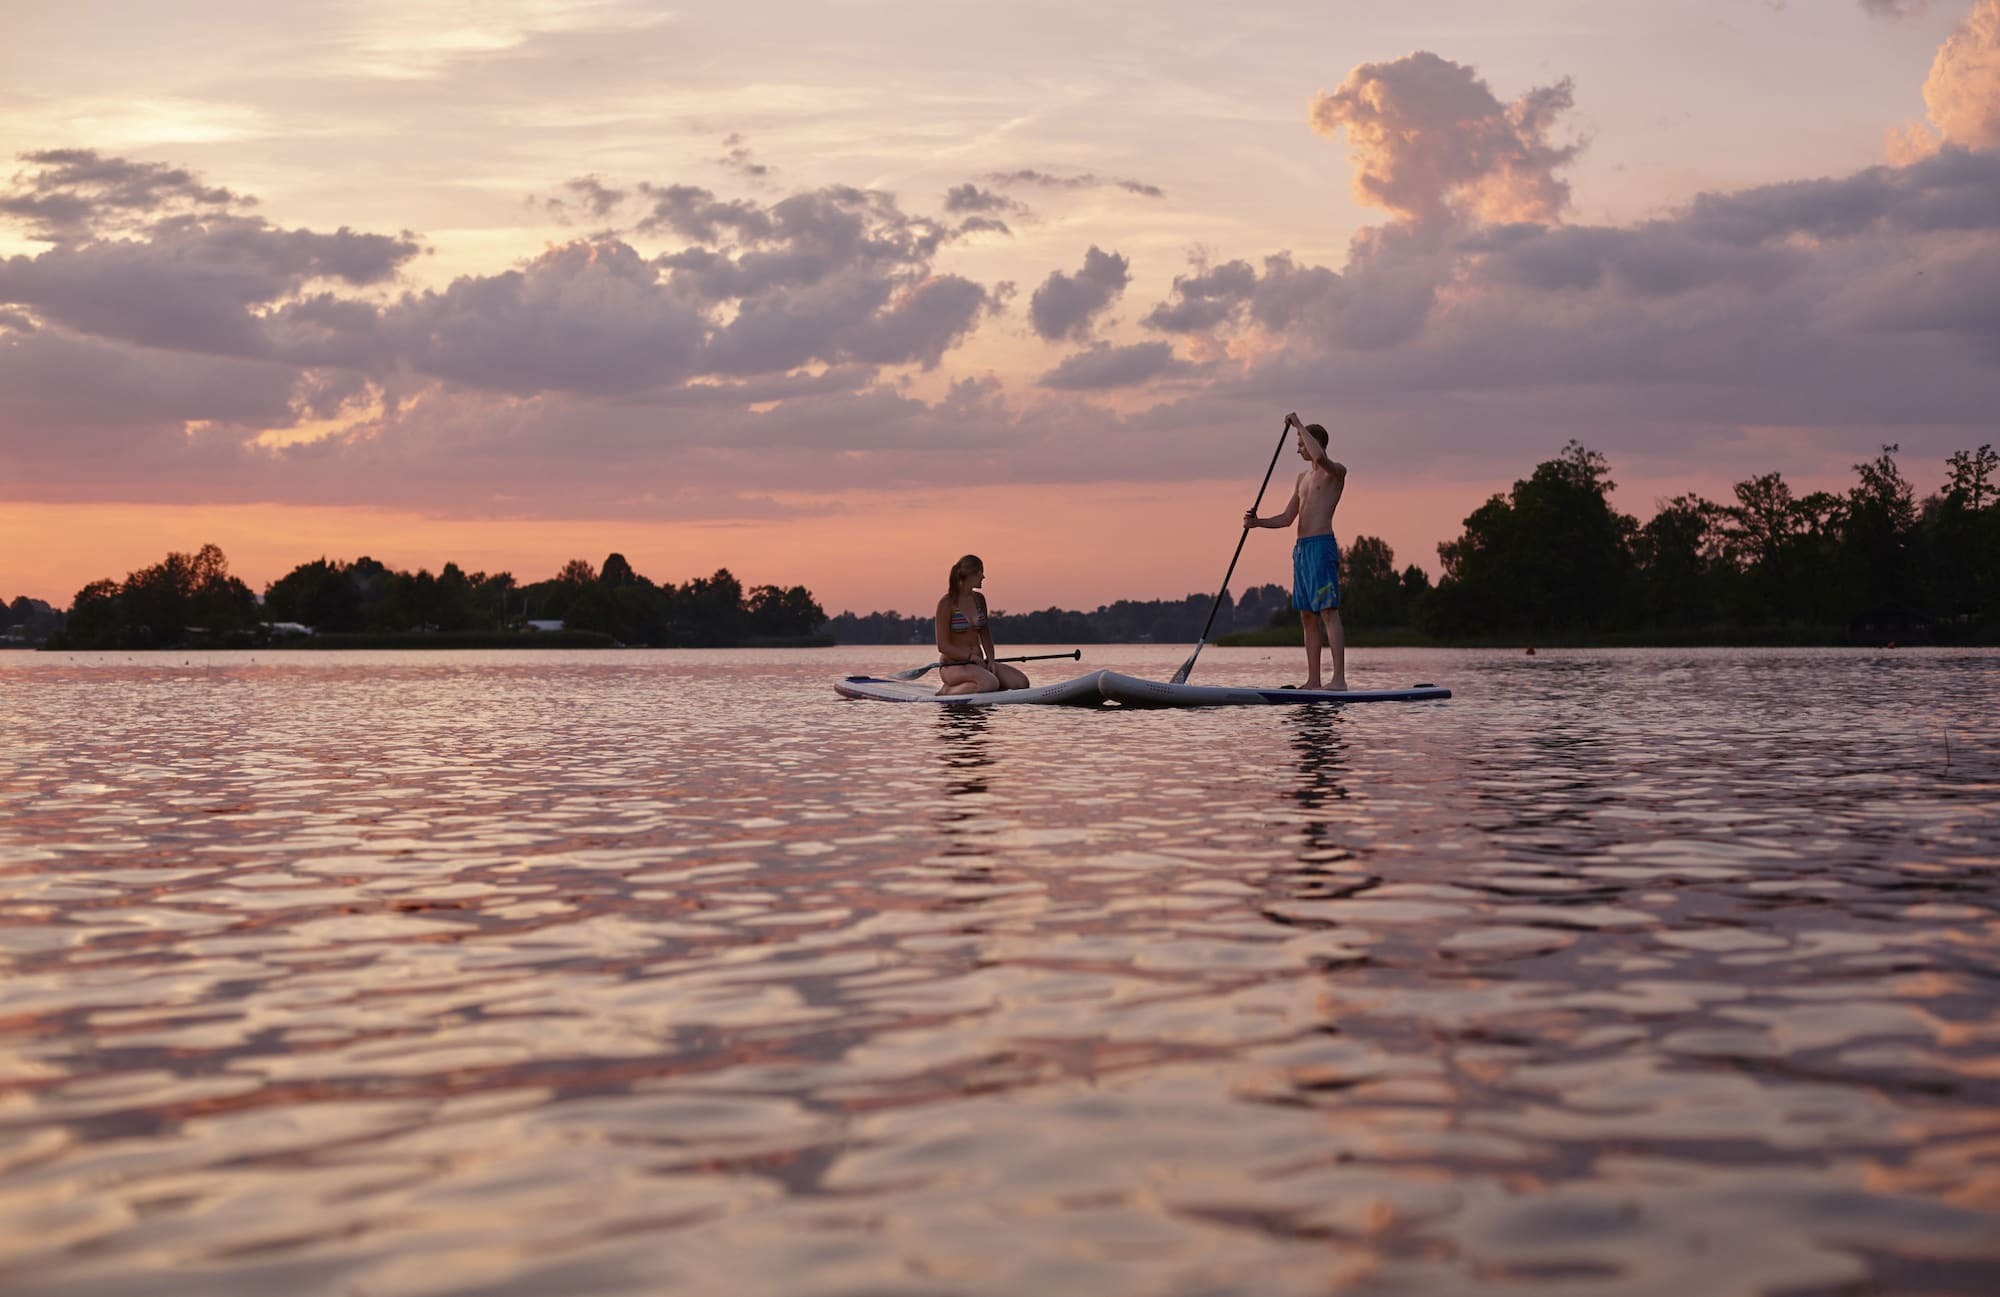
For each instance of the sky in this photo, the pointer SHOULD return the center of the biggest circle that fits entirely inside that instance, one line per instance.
(830, 293)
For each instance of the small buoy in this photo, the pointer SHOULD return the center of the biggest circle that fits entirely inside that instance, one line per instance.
(1890, 644)
(1531, 650)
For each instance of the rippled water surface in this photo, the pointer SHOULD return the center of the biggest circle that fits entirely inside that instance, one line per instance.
(1622, 973)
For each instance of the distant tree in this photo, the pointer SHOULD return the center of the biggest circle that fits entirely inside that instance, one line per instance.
(617, 571)
(29, 621)
(1784, 549)
(1959, 533)
(1551, 554)
(318, 594)
(709, 611)
(1878, 524)
(183, 599)
(1678, 554)
(96, 618)
(791, 613)
(1371, 591)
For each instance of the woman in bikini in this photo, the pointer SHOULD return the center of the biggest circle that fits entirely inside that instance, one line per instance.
(964, 642)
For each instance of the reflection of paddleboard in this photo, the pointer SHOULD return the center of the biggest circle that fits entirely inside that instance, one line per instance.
(1080, 692)
(1133, 692)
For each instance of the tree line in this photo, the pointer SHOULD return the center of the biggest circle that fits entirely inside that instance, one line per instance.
(1552, 558)
(192, 600)
(1128, 621)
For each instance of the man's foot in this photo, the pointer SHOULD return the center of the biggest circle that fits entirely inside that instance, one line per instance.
(1338, 686)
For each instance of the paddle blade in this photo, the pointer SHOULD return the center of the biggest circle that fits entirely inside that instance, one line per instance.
(914, 672)
(1180, 676)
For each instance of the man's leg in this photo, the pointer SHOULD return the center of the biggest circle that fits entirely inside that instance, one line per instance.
(1313, 641)
(1336, 635)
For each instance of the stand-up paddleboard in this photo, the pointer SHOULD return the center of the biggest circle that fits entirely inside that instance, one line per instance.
(1129, 691)
(1080, 692)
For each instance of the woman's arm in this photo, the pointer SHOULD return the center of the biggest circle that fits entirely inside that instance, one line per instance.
(985, 631)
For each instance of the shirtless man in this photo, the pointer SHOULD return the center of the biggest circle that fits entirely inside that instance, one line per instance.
(1315, 554)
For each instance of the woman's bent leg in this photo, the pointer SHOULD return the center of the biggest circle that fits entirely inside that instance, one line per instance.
(967, 680)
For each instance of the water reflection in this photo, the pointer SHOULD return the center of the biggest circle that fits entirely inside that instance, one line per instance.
(1630, 974)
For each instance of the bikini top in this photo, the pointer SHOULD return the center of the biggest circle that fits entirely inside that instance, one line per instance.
(959, 622)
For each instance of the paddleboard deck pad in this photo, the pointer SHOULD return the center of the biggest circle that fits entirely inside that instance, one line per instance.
(1080, 692)
(1102, 687)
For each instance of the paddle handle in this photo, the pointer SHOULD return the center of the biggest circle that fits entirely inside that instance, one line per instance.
(1180, 676)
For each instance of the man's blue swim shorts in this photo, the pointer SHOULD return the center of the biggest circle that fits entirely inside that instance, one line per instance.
(1315, 574)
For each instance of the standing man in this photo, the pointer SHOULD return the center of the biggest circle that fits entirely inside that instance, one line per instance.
(1315, 554)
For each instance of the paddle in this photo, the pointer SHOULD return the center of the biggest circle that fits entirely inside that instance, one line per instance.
(1180, 676)
(913, 673)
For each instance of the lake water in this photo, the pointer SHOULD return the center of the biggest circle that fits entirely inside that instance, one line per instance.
(1647, 972)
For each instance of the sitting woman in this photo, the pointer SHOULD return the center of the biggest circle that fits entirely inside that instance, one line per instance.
(964, 642)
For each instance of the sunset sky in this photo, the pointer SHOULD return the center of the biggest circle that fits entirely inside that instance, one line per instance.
(832, 292)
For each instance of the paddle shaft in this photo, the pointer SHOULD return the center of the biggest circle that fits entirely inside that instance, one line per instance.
(1180, 676)
(1033, 657)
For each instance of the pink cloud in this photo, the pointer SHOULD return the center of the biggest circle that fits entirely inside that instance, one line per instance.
(1430, 140)
(1962, 93)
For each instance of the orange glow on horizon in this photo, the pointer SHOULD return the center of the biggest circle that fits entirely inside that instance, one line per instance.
(1068, 546)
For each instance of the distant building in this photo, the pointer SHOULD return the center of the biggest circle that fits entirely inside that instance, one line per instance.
(545, 625)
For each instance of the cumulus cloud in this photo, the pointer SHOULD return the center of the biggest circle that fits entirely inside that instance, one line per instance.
(587, 317)
(1962, 93)
(1430, 142)
(1066, 305)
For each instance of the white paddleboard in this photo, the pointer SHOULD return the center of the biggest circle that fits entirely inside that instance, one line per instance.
(1080, 692)
(1129, 691)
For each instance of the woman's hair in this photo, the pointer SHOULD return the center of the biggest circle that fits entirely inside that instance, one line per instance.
(1317, 433)
(960, 570)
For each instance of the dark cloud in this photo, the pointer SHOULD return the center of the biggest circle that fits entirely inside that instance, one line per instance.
(696, 213)
(980, 225)
(588, 196)
(71, 399)
(1048, 180)
(196, 283)
(1065, 305)
(68, 195)
(1104, 366)
(736, 156)
(1208, 299)
(969, 197)
(1951, 189)
(1382, 300)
